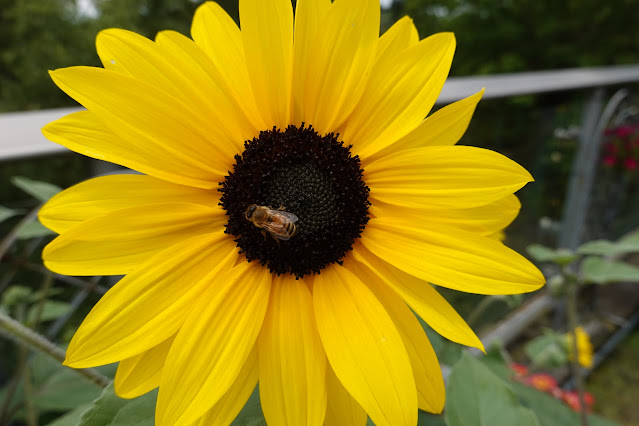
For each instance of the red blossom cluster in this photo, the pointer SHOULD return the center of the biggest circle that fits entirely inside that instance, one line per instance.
(621, 147)
(547, 383)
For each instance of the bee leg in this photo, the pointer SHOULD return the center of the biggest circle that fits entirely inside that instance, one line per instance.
(281, 208)
(277, 240)
(264, 234)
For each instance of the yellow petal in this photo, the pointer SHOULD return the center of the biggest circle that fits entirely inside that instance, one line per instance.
(451, 257)
(341, 408)
(177, 66)
(341, 62)
(215, 32)
(224, 110)
(267, 32)
(308, 17)
(444, 128)
(364, 348)
(84, 133)
(230, 405)
(141, 373)
(213, 344)
(400, 36)
(106, 194)
(484, 220)
(292, 360)
(153, 121)
(452, 177)
(116, 243)
(426, 371)
(400, 93)
(422, 298)
(148, 306)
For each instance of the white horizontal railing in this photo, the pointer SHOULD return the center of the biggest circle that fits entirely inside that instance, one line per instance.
(20, 134)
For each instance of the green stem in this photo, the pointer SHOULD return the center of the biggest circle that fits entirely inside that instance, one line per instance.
(25, 336)
(571, 302)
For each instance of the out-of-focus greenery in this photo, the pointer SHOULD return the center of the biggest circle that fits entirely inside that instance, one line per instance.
(41, 35)
(526, 35)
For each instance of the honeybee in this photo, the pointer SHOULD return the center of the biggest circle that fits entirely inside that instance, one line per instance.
(279, 223)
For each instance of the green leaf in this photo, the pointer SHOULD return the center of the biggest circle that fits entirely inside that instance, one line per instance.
(251, 414)
(42, 191)
(51, 310)
(72, 418)
(15, 295)
(477, 397)
(111, 410)
(34, 230)
(65, 390)
(6, 213)
(546, 351)
(601, 271)
(427, 419)
(544, 254)
(628, 244)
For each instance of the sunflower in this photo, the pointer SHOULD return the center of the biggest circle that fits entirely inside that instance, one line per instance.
(318, 124)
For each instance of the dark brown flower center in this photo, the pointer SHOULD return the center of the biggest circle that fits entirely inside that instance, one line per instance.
(313, 177)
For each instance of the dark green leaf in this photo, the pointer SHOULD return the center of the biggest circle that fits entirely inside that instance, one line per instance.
(6, 213)
(65, 390)
(111, 410)
(601, 271)
(476, 397)
(72, 418)
(42, 191)
(251, 414)
(427, 419)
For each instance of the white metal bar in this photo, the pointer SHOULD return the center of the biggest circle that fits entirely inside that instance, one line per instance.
(21, 136)
(530, 83)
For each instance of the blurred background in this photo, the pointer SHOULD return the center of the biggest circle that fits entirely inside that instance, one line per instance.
(542, 132)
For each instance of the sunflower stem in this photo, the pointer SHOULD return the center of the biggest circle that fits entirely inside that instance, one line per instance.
(571, 304)
(25, 336)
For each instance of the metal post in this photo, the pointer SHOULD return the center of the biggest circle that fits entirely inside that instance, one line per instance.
(582, 176)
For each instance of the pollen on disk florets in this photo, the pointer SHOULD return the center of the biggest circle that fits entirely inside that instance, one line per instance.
(311, 176)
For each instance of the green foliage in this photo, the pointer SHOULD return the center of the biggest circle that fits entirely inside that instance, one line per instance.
(111, 410)
(547, 350)
(476, 396)
(495, 36)
(602, 271)
(544, 254)
(598, 268)
(33, 229)
(41, 191)
(628, 244)
(6, 213)
(53, 388)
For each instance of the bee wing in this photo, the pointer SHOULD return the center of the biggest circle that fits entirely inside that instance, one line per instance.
(278, 230)
(287, 215)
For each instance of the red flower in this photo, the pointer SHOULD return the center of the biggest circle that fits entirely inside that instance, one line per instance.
(609, 160)
(630, 163)
(519, 369)
(624, 131)
(542, 381)
(572, 400)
